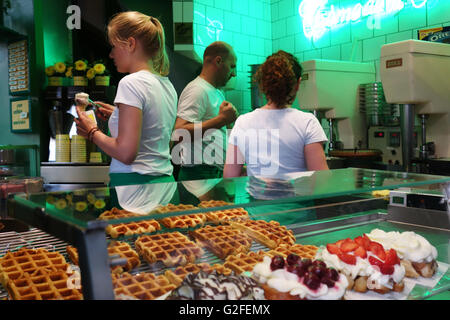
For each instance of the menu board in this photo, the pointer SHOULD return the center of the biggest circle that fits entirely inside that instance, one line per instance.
(18, 63)
(20, 115)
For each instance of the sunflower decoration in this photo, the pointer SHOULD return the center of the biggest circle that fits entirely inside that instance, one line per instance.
(50, 71)
(69, 72)
(80, 68)
(90, 74)
(60, 68)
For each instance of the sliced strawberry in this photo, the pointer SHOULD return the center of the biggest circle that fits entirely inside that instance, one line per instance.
(387, 269)
(391, 257)
(340, 242)
(361, 252)
(349, 245)
(363, 241)
(333, 248)
(347, 258)
(377, 250)
(375, 262)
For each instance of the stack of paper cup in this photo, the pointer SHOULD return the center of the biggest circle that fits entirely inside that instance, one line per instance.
(78, 149)
(62, 148)
(95, 157)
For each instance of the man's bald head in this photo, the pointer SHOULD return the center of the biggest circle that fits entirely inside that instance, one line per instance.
(215, 49)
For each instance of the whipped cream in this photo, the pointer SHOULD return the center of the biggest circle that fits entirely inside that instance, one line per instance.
(409, 245)
(363, 268)
(82, 98)
(285, 281)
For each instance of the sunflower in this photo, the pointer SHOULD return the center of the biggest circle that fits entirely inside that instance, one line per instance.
(69, 73)
(99, 68)
(60, 67)
(80, 65)
(61, 204)
(99, 204)
(90, 74)
(49, 71)
(80, 206)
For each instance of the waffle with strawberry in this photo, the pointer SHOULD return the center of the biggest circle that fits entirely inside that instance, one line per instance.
(367, 264)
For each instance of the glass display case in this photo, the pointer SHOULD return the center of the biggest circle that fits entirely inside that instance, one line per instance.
(317, 207)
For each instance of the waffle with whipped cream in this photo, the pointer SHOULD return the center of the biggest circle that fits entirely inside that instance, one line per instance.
(43, 285)
(271, 234)
(177, 275)
(171, 248)
(222, 240)
(142, 286)
(14, 265)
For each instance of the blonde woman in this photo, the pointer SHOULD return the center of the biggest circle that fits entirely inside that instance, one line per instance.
(145, 108)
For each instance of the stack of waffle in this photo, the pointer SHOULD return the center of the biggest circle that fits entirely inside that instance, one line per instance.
(37, 274)
(129, 228)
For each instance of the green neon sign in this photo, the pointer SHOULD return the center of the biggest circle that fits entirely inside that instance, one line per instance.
(319, 17)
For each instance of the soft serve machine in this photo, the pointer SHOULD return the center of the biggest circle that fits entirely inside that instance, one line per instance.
(329, 88)
(415, 75)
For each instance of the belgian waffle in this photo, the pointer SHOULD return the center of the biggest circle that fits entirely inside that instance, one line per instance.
(43, 285)
(245, 261)
(171, 248)
(129, 228)
(213, 203)
(303, 251)
(143, 286)
(122, 249)
(184, 221)
(225, 215)
(177, 276)
(222, 240)
(14, 265)
(174, 208)
(271, 234)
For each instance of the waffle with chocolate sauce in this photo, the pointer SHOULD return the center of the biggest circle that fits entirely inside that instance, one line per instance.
(122, 249)
(271, 234)
(171, 248)
(222, 240)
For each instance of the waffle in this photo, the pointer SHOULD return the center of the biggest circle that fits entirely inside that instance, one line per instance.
(225, 215)
(303, 251)
(143, 286)
(223, 240)
(43, 285)
(174, 208)
(213, 203)
(121, 249)
(14, 265)
(129, 228)
(245, 261)
(271, 234)
(184, 221)
(171, 248)
(177, 276)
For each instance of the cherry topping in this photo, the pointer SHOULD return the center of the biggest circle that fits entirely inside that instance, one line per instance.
(300, 271)
(277, 263)
(319, 263)
(311, 281)
(329, 282)
(319, 271)
(292, 259)
(332, 274)
(306, 263)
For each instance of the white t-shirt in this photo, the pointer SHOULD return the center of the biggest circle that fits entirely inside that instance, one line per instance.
(200, 101)
(272, 141)
(157, 98)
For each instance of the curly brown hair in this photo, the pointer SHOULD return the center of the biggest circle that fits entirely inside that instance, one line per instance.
(278, 76)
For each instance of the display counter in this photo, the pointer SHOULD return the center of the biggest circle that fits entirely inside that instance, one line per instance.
(308, 208)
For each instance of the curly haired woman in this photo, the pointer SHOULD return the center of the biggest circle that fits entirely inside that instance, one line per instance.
(276, 139)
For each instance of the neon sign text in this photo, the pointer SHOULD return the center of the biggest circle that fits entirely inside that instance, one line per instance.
(318, 16)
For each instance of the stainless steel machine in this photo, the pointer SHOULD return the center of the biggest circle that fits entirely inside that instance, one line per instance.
(415, 74)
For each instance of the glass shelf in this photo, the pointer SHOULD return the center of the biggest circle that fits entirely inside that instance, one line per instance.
(82, 207)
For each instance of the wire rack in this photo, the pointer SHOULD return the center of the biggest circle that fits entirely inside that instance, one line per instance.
(36, 238)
